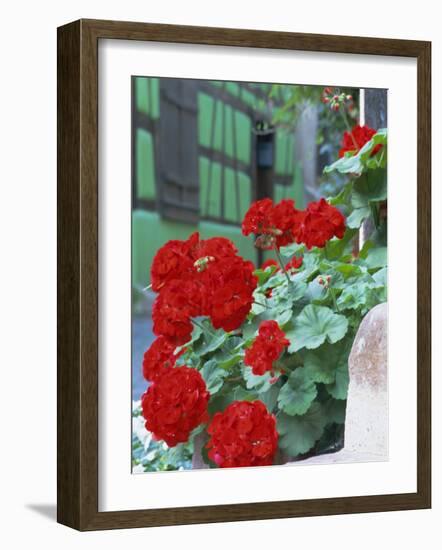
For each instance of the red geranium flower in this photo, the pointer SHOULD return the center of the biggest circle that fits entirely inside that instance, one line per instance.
(294, 263)
(318, 224)
(180, 258)
(231, 283)
(172, 260)
(266, 348)
(359, 136)
(258, 218)
(161, 355)
(175, 404)
(271, 223)
(283, 217)
(216, 247)
(197, 278)
(173, 308)
(244, 434)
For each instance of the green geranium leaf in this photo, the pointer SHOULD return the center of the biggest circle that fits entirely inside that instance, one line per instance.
(230, 353)
(334, 410)
(298, 434)
(315, 325)
(354, 296)
(259, 383)
(367, 246)
(270, 397)
(241, 394)
(284, 296)
(213, 375)
(292, 249)
(284, 317)
(343, 197)
(335, 248)
(377, 257)
(220, 401)
(339, 388)
(370, 187)
(349, 164)
(358, 215)
(348, 270)
(210, 341)
(323, 363)
(264, 274)
(381, 276)
(298, 392)
(250, 329)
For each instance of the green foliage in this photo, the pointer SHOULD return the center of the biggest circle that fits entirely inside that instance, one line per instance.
(213, 375)
(298, 434)
(322, 363)
(298, 392)
(315, 325)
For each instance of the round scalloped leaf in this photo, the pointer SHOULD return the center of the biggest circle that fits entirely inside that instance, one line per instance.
(322, 363)
(298, 434)
(339, 388)
(298, 392)
(315, 325)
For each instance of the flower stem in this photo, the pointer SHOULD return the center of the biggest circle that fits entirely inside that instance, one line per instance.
(262, 305)
(347, 125)
(281, 263)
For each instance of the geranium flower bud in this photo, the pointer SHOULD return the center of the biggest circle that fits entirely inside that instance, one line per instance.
(202, 263)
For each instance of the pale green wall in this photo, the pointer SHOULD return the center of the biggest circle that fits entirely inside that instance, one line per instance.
(149, 231)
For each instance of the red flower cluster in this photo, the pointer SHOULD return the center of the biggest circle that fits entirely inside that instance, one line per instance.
(318, 224)
(266, 348)
(177, 258)
(200, 277)
(175, 404)
(231, 283)
(244, 434)
(272, 223)
(294, 263)
(281, 224)
(359, 136)
(161, 355)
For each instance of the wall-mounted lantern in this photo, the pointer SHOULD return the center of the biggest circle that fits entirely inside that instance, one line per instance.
(264, 145)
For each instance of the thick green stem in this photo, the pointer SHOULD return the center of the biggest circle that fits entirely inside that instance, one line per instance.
(281, 263)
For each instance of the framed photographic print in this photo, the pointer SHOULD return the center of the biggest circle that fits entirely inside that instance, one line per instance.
(243, 275)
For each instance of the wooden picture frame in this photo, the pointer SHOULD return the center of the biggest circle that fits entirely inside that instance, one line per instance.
(78, 274)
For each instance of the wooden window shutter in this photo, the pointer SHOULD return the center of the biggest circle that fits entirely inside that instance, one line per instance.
(178, 155)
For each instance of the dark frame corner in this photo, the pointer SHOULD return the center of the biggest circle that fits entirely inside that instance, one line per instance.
(77, 385)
